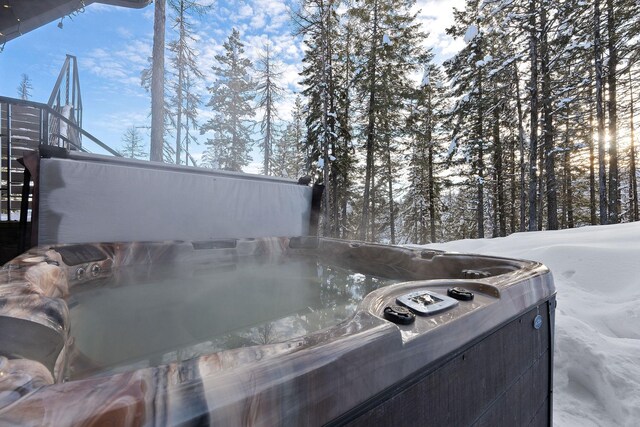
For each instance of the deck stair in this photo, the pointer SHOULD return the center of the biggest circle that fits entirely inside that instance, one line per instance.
(25, 125)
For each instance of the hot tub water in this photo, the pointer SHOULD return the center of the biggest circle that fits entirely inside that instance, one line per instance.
(144, 316)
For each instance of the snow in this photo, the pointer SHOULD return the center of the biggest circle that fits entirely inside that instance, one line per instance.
(565, 101)
(471, 33)
(597, 342)
(386, 40)
(15, 216)
(452, 147)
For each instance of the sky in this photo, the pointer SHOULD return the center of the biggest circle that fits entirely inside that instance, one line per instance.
(113, 45)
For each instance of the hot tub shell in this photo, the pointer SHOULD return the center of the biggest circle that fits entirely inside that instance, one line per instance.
(488, 361)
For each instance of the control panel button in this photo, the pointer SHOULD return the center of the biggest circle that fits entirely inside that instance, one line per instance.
(426, 302)
(399, 314)
(460, 294)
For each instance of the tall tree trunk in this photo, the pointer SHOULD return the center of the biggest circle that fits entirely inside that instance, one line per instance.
(266, 148)
(344, 201)
(431, 191)
(496, 159)
(369, 173)
(480, 170)
(372, 218)
(549, 149)
(332, 134)
(602, 175)
(568, 176)
(392, 215)
(633, 180)
(541, 157)
(499, 173)
(533, 143)
(181, 59)
(521, 137)
(567, 165)
(562, 202)
(614, 185)
(432, 194)
(335, 204)
(346, 140)
(480, 144)
(186, 142)
(494, 205)
(592, 162)
(327, 131)
(512, 186)
(157, 83)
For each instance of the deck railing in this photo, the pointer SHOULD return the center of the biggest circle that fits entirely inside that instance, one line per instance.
(66, 99)
(25, 125)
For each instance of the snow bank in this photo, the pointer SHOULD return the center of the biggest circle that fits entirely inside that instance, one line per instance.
(597, 358)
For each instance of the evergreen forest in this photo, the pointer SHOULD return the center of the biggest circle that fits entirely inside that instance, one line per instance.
(530, 126)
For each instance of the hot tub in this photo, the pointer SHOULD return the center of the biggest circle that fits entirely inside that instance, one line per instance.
(273, 331)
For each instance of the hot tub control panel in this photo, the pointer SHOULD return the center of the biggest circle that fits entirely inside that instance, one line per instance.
(426, 302)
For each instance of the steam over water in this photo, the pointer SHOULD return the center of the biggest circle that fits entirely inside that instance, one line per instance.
(151, 315)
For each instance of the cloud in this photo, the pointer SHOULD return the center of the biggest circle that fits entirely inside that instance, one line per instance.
(124, 32)
(245, 11)
(122, 66)
(436, 16)
(148, 14)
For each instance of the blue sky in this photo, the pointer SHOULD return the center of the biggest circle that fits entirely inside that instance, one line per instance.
(112, 45)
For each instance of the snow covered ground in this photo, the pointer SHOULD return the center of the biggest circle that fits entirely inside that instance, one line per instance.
(597, 276)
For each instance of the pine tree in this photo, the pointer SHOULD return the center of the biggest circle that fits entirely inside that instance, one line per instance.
(191, 126)
(25, 87)
(183, 101)
(343, 168)
(269, 93)
(612, 104)
(597, 52)
(468, 74)
(547, 116)
(156, 77)
(288, 156)
(317, 22)
(133, 146)
(505, 133)
(633, 179)
(424, 125)
(167, 152)
(532, 28)
(230, 102)
(388, 47)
